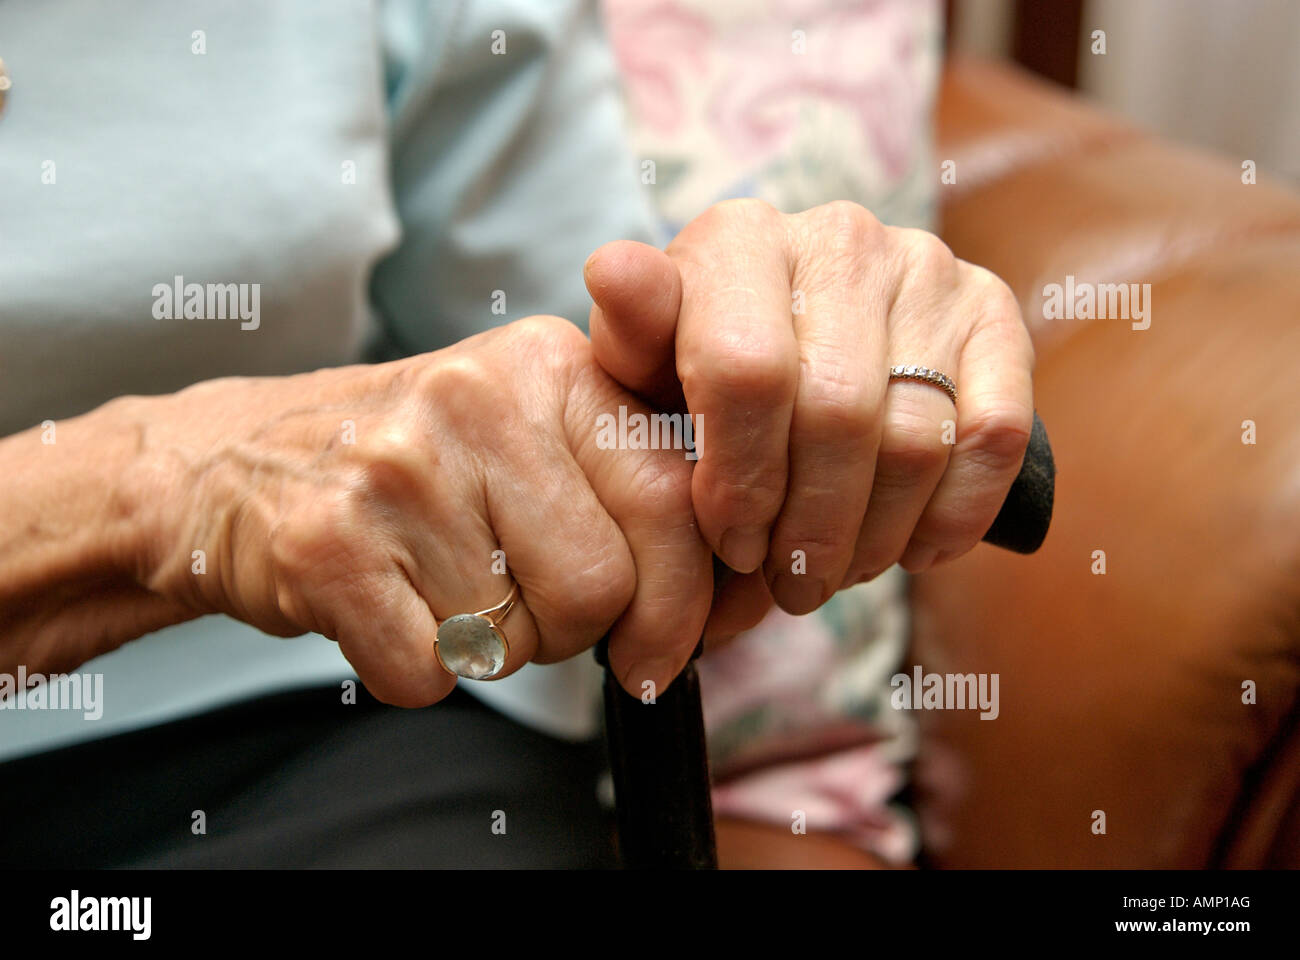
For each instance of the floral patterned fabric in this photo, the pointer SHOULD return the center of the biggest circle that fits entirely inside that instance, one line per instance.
(799, 720)
(797, 102)
(794, 101)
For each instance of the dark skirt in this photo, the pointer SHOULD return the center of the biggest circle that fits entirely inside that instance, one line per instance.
(301, 780)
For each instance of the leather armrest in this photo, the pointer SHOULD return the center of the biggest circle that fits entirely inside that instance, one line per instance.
(1122, 692)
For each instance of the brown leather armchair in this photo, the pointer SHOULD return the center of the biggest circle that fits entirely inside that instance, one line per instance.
(1119, 692)
(1123, 692)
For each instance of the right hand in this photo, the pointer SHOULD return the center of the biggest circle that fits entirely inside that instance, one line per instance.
(487, 445)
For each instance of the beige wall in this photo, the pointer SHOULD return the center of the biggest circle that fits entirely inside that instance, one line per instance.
(982, 27)
(1223, 74)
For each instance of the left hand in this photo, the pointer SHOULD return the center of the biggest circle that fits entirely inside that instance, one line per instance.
(779, 330)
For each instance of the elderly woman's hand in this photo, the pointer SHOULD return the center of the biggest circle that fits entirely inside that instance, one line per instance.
(781, 331)
(369, 503)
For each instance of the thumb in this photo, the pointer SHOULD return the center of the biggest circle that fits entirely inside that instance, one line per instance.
(637, 293)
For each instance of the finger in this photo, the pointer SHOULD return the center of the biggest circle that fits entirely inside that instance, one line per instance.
(909, 464)
(575, 569)
(739, 603)
(445, 563)
(995, 414)
(648, 494)
(636, 293)
(391, 646)
(835, 429)
(466, 568)
(919, 418)
(573, 565)
(344, 575)
(738, 363)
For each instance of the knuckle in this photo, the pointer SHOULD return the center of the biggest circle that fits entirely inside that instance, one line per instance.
(550, 342)
(595, 591)
(911, 446)
(392, 463)
(290, 603)
(836, 406)
(552, 348)
(952, 526)
(839, 240)
(457, 383)
(848, 223)
(996, 303)
(925, 254)
(463, 403)
(742, 369)
(749, 500)
(999, 434)
(547, 330)
(999, 299)
(662, 486)
(309, 537)
(823, 539)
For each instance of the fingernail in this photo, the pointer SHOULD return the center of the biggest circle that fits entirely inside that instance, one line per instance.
(743, 548)
(918, 557)
(648, 679)
(797, 593)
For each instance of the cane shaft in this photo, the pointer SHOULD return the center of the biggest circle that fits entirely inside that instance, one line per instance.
(660, 768)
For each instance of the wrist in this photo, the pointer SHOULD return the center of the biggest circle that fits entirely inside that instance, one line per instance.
(130, 516)
(74, 538)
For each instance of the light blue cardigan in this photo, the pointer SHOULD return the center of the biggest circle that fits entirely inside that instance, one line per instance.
(376, 169)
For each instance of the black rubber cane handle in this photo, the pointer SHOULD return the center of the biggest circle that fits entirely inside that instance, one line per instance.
(657, 751)
(1021, 524)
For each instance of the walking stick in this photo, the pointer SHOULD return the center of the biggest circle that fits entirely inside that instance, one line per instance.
(657, 751)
